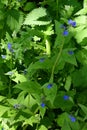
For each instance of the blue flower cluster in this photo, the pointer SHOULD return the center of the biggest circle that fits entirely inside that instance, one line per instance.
(70, 22)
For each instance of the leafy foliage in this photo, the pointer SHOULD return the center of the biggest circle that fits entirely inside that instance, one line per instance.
(43, 65)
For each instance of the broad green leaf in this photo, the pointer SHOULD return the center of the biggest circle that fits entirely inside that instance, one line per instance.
(79, 77)
(32, 120)
(34, 15)
(3, 109)
(32, 88)
(80, 36)
(19, 78)
(68, 83)
(59, 102)
(61, 118)
(66, 126)
(69, 58)
(50, 93)
(42, 127)
(14, 19)
(12, 101)
(81, 20)
(2, 98)
(82, 12)
(29, 6)
(85, 4)
(84, 108)
(81, 56)
(46, 64)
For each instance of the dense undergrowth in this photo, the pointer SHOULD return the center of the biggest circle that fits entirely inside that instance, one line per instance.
(43, 65)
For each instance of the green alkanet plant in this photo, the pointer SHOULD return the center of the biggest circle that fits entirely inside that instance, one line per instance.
(43, 65)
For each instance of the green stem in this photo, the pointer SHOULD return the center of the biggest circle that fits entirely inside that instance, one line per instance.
(56, 62)
(57, 2)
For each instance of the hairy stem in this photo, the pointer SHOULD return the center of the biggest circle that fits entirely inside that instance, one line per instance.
(56, 62)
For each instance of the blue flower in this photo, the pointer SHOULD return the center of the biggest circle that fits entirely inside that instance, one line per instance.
(70, 52)
(42, 104)
(65, 97)
(71, 22)
(3, 56)
(49, 86)
(72, 118)
(9, 46)
(10, 73)
(16, 106)
(41, 59)
(65, 32)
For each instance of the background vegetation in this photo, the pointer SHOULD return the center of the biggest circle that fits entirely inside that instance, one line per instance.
(43, 65)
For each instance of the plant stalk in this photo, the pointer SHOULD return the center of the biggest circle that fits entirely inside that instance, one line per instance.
(56, 62)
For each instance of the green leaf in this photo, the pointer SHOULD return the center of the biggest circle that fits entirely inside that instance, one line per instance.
(59, 32)
(29, 86)
(82, 12)
(50, 92)
(80, 36)
(66, 126)
(45, 65)
(59, 102)
(14, 19)
(3, 109)
(34, 15)
(85, 4)
(19, 78)
(32, 120)
(4, 2)
(81, 56)
(42, 127)
(2, 98)
(68, 83)
(84, 127)
(79, 77)
(61, 118)
(69, 58)
(84, 108)
(29, 6)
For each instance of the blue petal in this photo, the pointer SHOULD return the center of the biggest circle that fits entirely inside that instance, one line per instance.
(9, 46)
(65, 97)
(65, 33)
(72, 118)
(42, 60)
(70, 52)
(49, 86)
(43, 105)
